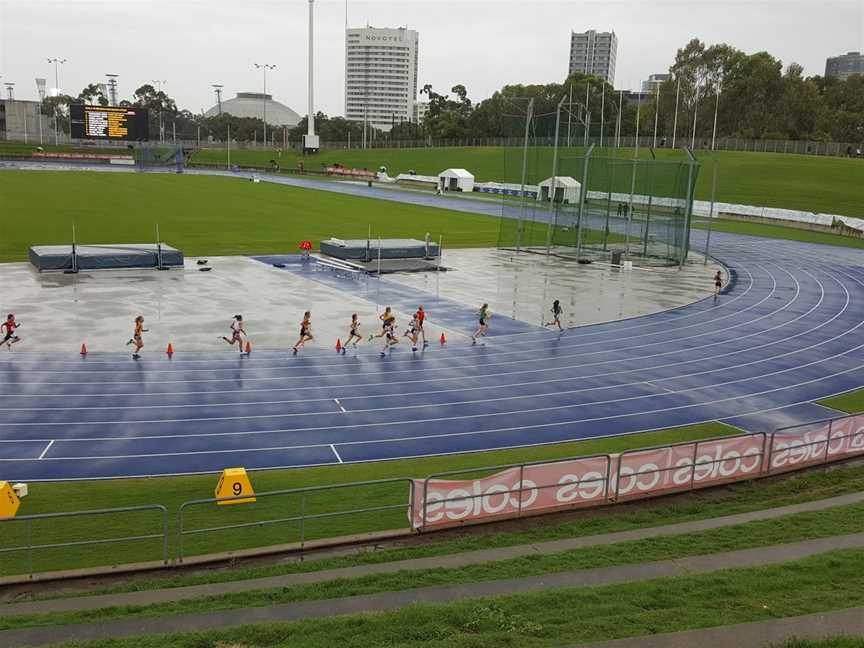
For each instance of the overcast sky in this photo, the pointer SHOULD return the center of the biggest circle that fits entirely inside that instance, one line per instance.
(483, 44)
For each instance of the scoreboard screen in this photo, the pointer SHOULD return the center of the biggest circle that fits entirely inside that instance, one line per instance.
(109, 122)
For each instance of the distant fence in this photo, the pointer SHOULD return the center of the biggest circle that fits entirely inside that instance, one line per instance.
(439, 501)
(800, 147)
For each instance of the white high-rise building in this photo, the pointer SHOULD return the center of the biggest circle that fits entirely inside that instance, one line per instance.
(594, 52)
(380, 75)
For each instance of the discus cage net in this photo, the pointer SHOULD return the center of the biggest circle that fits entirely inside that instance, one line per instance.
(569, 197)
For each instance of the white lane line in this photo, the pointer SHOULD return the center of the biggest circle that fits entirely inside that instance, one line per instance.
(336, 400)
(667, 390)
(47, 448)
(333, 448)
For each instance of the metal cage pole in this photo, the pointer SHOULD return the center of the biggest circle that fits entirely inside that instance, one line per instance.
(552, 211)
(688, 209)
(630, 209)
(520, 224)
(583, 191)
(711, 211)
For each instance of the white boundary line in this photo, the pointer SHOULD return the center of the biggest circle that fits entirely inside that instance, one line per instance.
(333, 448)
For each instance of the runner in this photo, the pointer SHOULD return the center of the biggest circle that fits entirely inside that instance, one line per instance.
(420, 316)
(483, 317)
(137, 338)
(556, 315)
(390, 340)
(412, 332)
(10, 325)
(353, 332)
(305, 331)
(388, 321)
(237, 333)
(718, 283)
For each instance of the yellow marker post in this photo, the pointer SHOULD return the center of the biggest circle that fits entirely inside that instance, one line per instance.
(234, 482)
(9, 501)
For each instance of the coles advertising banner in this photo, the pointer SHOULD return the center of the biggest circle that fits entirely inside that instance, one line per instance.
(793, 449)
(588, 481)
(591, 481)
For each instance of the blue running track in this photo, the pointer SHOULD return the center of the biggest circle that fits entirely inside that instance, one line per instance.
(786, 332)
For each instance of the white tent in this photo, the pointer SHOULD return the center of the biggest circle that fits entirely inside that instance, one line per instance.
(566, 189)
(456, 180)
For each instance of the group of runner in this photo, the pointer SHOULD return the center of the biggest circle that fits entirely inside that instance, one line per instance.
(415, 331)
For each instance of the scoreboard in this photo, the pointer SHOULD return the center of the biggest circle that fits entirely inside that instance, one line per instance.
(109, 122)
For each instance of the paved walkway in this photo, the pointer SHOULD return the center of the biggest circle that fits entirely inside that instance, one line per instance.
(823, 625)
(427, 595)
(388, 601)
(451, 561)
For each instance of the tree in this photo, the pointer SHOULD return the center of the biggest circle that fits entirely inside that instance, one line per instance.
(90, 92)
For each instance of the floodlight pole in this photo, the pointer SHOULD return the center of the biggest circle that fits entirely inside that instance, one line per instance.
(554, 177)
(265, 67)
(229, 147)
(57, 63)
(618, 121)
(638, 112)
(529, 115)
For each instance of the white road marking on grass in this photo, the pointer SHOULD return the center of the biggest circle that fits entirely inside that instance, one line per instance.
(333, 448)
(336, 400)
(47, 448)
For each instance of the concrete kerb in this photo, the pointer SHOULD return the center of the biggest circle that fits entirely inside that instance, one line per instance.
(388, 601)
(452, 561)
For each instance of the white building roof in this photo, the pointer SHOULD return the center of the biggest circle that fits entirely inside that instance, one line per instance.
(251, 104)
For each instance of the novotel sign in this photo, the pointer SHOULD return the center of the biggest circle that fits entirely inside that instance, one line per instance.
(399, 38)
(592, 481)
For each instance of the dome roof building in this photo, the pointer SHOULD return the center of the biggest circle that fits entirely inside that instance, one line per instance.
(251, 104)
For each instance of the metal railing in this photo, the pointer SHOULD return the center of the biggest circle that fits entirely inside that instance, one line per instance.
(302, 519)
(29, 547)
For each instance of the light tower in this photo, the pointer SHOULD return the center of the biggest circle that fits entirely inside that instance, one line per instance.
(310, 139)
(112, 88)
(265, 67)
(217, 88)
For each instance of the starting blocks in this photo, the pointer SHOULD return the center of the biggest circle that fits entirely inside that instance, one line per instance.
(234, 482)
(9, 501)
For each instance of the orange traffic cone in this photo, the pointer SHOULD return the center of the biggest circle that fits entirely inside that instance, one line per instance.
(443, 339)
(248, 347)
(83, 349)
(338, 345)
(170, 350)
